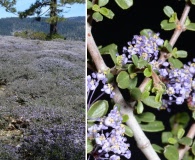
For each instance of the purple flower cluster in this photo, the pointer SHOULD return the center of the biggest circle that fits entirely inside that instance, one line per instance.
(144, 47)
(108, 136)
(94, 81)
(180, 84)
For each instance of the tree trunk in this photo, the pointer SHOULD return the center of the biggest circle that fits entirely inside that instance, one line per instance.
(53, 13)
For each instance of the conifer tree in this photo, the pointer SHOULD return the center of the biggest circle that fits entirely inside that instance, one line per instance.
(53, 11)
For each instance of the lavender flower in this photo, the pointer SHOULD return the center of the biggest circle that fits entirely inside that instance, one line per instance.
(144, 47)
(110, 141)
(93, 82)
(180, 84)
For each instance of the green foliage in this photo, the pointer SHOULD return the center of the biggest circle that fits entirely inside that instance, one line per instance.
(98, 109)
(146, 117)
(171, 153)
(111, 49)
(155, 126)
(54, 36)
(157, 148)
(151, 102)
(100, 11)
(124, 4)
(31, 35)
(89, 146)
(128, 131)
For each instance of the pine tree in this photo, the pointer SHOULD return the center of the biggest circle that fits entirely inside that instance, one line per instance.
(53, 11)
(9, 5)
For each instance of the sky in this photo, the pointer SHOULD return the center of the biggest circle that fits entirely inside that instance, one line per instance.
(74, 11)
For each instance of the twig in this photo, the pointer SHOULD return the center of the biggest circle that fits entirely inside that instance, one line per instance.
(180, 28)
(190, 134)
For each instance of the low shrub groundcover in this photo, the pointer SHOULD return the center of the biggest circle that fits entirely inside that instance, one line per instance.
(41, 117)
(37, 35)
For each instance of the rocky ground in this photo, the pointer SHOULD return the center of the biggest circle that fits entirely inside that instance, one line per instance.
(42, 101)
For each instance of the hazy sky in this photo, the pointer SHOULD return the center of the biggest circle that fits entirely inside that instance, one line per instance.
(74, 11)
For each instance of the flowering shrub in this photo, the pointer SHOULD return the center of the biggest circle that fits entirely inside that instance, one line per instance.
(148, 77)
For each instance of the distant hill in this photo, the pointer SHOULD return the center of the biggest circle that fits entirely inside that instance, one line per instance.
(72, 28)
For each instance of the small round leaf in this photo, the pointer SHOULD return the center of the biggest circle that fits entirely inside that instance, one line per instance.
(128, 131)
(97, 16)
(124, 4)
(171, 152)
(168, 11)
(102, 2)
(98, 109)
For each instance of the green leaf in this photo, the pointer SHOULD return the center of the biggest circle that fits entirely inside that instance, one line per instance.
(125, 118)
(171, 152)
(147, 72)
(133, 83)
(145, 95)
(141, 63)
(168, 46)
(150, 101)
(145, 32)
(173, 18)
(107, 12)
(110, 49)
(172, 140)
(148, 86)
(180, 133)
(191, 27)
(135, 59)
(110, 77)
(166, 25)
(97, 16)
(193, 2)
(155, 126)
(131, 68)
(181, 54)
(187, 22)
(147, 117)
(98, 109)
(185, 141)
(123, 80)
(176, 63)
(89, 4)
(102, 2)
(193, 148)
(89, 146)
(139, 107)
(135, 94)
(128, 131)
(165, 136)
(168, 11)
(193, 115)
(157, 148)
(181, 118)
(96, 8)
(124, 4)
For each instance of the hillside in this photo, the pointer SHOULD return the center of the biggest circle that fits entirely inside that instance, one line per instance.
(42, 99)
(72, 28)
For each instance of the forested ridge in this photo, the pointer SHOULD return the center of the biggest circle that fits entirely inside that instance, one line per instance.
(72, 28)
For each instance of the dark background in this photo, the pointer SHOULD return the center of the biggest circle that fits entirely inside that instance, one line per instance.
(126, 23)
